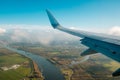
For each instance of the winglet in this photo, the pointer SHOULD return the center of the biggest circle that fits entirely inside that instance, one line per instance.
(52, 19)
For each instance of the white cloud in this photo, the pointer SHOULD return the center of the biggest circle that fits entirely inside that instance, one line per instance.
(46, 34)
(114, 31)
(2, 30)
(19, 35)
(33, 33)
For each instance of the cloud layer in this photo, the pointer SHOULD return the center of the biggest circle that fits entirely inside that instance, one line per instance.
(41, 34)
(114, 31)
(33, 34)
(2, 30)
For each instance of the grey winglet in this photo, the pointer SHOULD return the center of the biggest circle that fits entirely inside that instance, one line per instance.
(52, 19)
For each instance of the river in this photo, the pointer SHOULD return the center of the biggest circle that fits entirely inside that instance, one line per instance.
(49, 70)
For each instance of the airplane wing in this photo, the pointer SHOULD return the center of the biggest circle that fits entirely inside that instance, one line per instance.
(96, 43)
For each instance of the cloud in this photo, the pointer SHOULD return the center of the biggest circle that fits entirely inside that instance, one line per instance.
(2, 30)
(46, 34)
(19, 35)
(114, 31)
(33, 34)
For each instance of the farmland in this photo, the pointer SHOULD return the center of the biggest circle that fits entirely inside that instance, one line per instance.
(8, 59)
(75, 67)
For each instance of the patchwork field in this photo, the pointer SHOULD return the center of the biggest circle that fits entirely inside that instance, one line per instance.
(7, 60)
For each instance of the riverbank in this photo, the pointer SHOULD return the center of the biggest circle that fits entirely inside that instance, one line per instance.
(50, 71)
(36, 73)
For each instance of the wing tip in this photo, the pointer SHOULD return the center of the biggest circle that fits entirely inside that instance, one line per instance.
(52, 19)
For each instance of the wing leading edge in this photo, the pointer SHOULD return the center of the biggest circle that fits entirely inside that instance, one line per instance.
(107, 46)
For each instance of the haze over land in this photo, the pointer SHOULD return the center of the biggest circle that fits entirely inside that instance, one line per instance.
(44, 35)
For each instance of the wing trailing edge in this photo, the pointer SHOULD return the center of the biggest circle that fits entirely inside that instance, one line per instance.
(116, 73)
(88, 52)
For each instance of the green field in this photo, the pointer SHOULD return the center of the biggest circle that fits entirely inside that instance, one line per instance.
(14, 74)
(17, 74)
(7, 60)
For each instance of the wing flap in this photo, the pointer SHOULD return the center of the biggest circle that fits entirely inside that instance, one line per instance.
(88, 52)
(116, 73)
(108, 49)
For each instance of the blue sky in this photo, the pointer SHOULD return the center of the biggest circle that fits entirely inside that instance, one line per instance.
(73, 13)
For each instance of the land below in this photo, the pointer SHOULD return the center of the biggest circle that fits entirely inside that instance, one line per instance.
(64, 55)
(72, 65)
